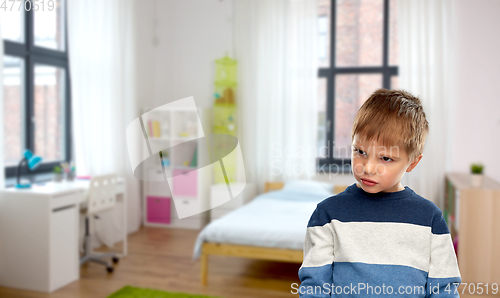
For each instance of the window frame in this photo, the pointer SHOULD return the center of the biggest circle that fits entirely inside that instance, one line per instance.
(32, 54)
(329, 73)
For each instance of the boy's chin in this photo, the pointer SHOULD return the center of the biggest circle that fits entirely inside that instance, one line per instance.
(371, 189)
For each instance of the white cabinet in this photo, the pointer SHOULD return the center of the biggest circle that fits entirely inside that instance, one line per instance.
(221, 190)
(39, 238)
(173, 131)
(63, 244)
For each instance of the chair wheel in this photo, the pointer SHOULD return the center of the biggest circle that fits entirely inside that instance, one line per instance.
(109, 269)
(115, 260)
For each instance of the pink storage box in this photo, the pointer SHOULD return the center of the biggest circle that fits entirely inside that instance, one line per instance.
(185, 183)
(158, 209)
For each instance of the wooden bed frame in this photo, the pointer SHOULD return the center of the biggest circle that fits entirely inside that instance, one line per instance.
(253, 252)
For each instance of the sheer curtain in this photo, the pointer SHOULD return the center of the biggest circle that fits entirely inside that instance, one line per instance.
(275, 45)
(101, 52)
(2, 157)
(426, 69)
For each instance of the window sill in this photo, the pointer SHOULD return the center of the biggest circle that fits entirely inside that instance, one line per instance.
(33, 178)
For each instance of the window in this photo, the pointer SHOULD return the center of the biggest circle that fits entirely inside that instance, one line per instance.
(357, 54)
(36, 83)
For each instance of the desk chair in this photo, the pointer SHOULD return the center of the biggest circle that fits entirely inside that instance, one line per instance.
(101, 198)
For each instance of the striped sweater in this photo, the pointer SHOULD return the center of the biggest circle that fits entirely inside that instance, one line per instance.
(360, 244)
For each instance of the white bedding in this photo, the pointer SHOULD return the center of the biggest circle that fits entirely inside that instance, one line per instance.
(276, 219)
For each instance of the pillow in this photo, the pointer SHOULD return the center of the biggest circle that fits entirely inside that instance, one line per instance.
(309, 186)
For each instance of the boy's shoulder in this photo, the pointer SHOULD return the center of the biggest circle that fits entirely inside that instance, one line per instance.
(346, 206)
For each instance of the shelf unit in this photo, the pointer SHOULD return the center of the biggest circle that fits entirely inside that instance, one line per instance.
(472, 217)
(167, 127)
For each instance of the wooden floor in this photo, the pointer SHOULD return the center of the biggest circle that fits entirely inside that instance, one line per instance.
(162, 259)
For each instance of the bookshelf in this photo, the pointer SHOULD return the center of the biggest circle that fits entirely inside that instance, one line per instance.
(472, 217)
(172, 133)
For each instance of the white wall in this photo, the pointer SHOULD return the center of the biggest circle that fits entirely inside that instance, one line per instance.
(477, 119)
(190, 36)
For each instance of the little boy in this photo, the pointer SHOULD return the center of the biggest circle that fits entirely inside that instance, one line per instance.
(378, 238)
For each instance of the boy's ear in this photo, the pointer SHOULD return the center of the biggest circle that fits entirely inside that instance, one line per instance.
(414, 163)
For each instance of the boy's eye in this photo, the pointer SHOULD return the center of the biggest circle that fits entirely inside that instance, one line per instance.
(359, 151)
(385, 158)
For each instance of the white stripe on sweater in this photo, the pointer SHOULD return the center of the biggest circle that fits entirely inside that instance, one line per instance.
(443, 258)
(382, 243)
(318, 246)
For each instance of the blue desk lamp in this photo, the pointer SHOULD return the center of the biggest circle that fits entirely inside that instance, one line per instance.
(32, 161)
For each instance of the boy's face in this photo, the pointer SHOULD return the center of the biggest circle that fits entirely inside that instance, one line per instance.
(378, 168)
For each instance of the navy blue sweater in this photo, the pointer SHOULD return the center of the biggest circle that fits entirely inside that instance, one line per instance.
(360, 244)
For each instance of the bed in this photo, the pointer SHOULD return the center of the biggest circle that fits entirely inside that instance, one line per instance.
(270, 227)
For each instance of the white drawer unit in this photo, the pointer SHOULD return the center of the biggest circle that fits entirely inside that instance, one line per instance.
(221, 190)
(39, 239)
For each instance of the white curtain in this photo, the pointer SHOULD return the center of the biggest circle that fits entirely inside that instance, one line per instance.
(101, 51)
(2, 158)
(275, 45)
(426, 69)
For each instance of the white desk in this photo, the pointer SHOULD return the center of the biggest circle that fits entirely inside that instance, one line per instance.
(84, 185)
(39, 232)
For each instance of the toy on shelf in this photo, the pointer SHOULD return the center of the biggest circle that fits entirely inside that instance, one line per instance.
(227, 98)
(165, 161)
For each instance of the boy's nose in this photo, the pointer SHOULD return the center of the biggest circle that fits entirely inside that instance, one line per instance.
(370, 168)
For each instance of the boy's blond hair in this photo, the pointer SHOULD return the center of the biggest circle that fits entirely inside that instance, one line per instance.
(394, 118)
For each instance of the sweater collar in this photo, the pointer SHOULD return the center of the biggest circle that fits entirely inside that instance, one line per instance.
(359, 192)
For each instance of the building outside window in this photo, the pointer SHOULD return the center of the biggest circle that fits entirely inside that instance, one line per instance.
(37, 111)
(358, 53)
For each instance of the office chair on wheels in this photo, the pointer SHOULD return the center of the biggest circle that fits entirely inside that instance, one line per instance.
(101, 198)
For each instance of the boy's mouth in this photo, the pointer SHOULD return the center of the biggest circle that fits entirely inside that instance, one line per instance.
(368, 182)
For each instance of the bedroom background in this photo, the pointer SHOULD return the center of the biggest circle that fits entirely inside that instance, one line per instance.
(136, 54)
(437, 40)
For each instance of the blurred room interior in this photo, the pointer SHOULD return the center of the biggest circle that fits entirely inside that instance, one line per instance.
(284, 79)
